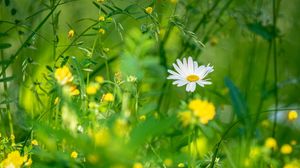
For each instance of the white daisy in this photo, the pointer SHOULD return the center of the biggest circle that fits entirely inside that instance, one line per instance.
(190, 74)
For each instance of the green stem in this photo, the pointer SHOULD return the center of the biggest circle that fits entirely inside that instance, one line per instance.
(54, 31)
(275, 68)
(190, 141)
(212, 163)
(163, 61)
(7, 104)
(262, 96)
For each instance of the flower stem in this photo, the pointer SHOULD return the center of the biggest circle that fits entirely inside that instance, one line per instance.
(275, 11)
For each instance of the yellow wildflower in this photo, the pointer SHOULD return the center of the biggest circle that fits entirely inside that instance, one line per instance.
(28, 163)
(63, 75)
(34, 142)
(100, 1)
(74, 91)
(137, 165)
(286, 149)
(292, 115)
(101, 18)
(271, 143)
(102, 31)
(91, 89)
(71, 33)
(14, 159)
(186, 118)
(99, 79)
(149, 10)
(108, 97)
(74, 155)
(204, 110)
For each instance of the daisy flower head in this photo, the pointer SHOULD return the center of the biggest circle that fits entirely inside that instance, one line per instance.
(190, 74)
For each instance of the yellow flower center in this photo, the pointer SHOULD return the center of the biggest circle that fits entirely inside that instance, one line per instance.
(192, 78)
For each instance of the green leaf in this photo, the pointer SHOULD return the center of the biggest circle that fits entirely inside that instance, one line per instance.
(4, 45)
(64, 61)
(97, 5)
(238, 101)
(49, 68)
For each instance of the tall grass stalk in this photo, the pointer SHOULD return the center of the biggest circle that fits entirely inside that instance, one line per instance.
(7, 109)
(275, 12)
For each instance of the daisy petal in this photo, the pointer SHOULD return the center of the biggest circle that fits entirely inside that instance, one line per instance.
(182, 67)
(180, 83)
(190, 65)
(187, 88)
(173, 72)
(178, 69)
(206, 82)
(185, 65)
(203, 82)
(192, 86)
(195, 65)
(174, 77)
(208, 70)
(199, 70)
(200, 84)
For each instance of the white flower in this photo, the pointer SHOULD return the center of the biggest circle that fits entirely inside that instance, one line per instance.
(190, 74)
